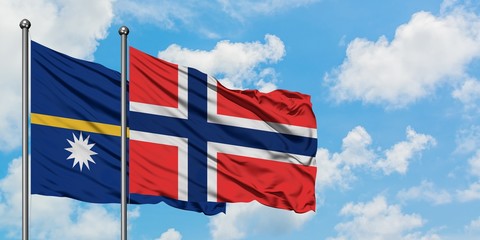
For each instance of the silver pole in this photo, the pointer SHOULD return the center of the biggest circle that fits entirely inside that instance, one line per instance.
(123, 31)
(25, 26)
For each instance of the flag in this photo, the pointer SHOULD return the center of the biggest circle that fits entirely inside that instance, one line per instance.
(75, 132)
(192, 139)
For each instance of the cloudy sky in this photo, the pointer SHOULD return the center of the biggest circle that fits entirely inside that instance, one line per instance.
(395, 87)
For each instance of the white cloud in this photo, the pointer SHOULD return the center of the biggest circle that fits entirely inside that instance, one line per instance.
(134, 213)
(420, 236)
(161, 12)
(471, 231)
(170, 234)
(196, 14)
(468, 140)
(378, 220)
(73, 27)
(53, 217)
(398, 157)
(448, 5)
(243, 9)
(11, 195)
(474, 163)
(468, 93)
(91, 222)
(411, 66)
(242, 69)
(473, 226)
(68, 26)
(425, 191)
(244, 219)
(268, 79)
(331, 171)
(470, 194)
(357, 152)
(337, 168)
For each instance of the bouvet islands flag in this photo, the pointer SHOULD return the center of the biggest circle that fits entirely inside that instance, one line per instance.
(192, 139)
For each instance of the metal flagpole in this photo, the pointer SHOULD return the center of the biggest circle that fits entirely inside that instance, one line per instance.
(123, 31)
(25, 26)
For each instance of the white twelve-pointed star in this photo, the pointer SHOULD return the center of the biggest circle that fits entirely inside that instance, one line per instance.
(81, 151)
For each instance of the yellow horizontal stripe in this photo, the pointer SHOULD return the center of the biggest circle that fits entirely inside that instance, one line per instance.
(75, 124)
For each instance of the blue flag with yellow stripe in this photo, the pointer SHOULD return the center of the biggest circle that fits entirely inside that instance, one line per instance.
(75, 132)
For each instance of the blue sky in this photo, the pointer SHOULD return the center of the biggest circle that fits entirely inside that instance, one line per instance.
(395, 88)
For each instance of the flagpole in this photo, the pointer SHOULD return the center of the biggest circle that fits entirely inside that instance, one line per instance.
(123, 31)
(25, 26)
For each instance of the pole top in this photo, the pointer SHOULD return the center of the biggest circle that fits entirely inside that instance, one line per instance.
(25, 24)
(123, 30)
